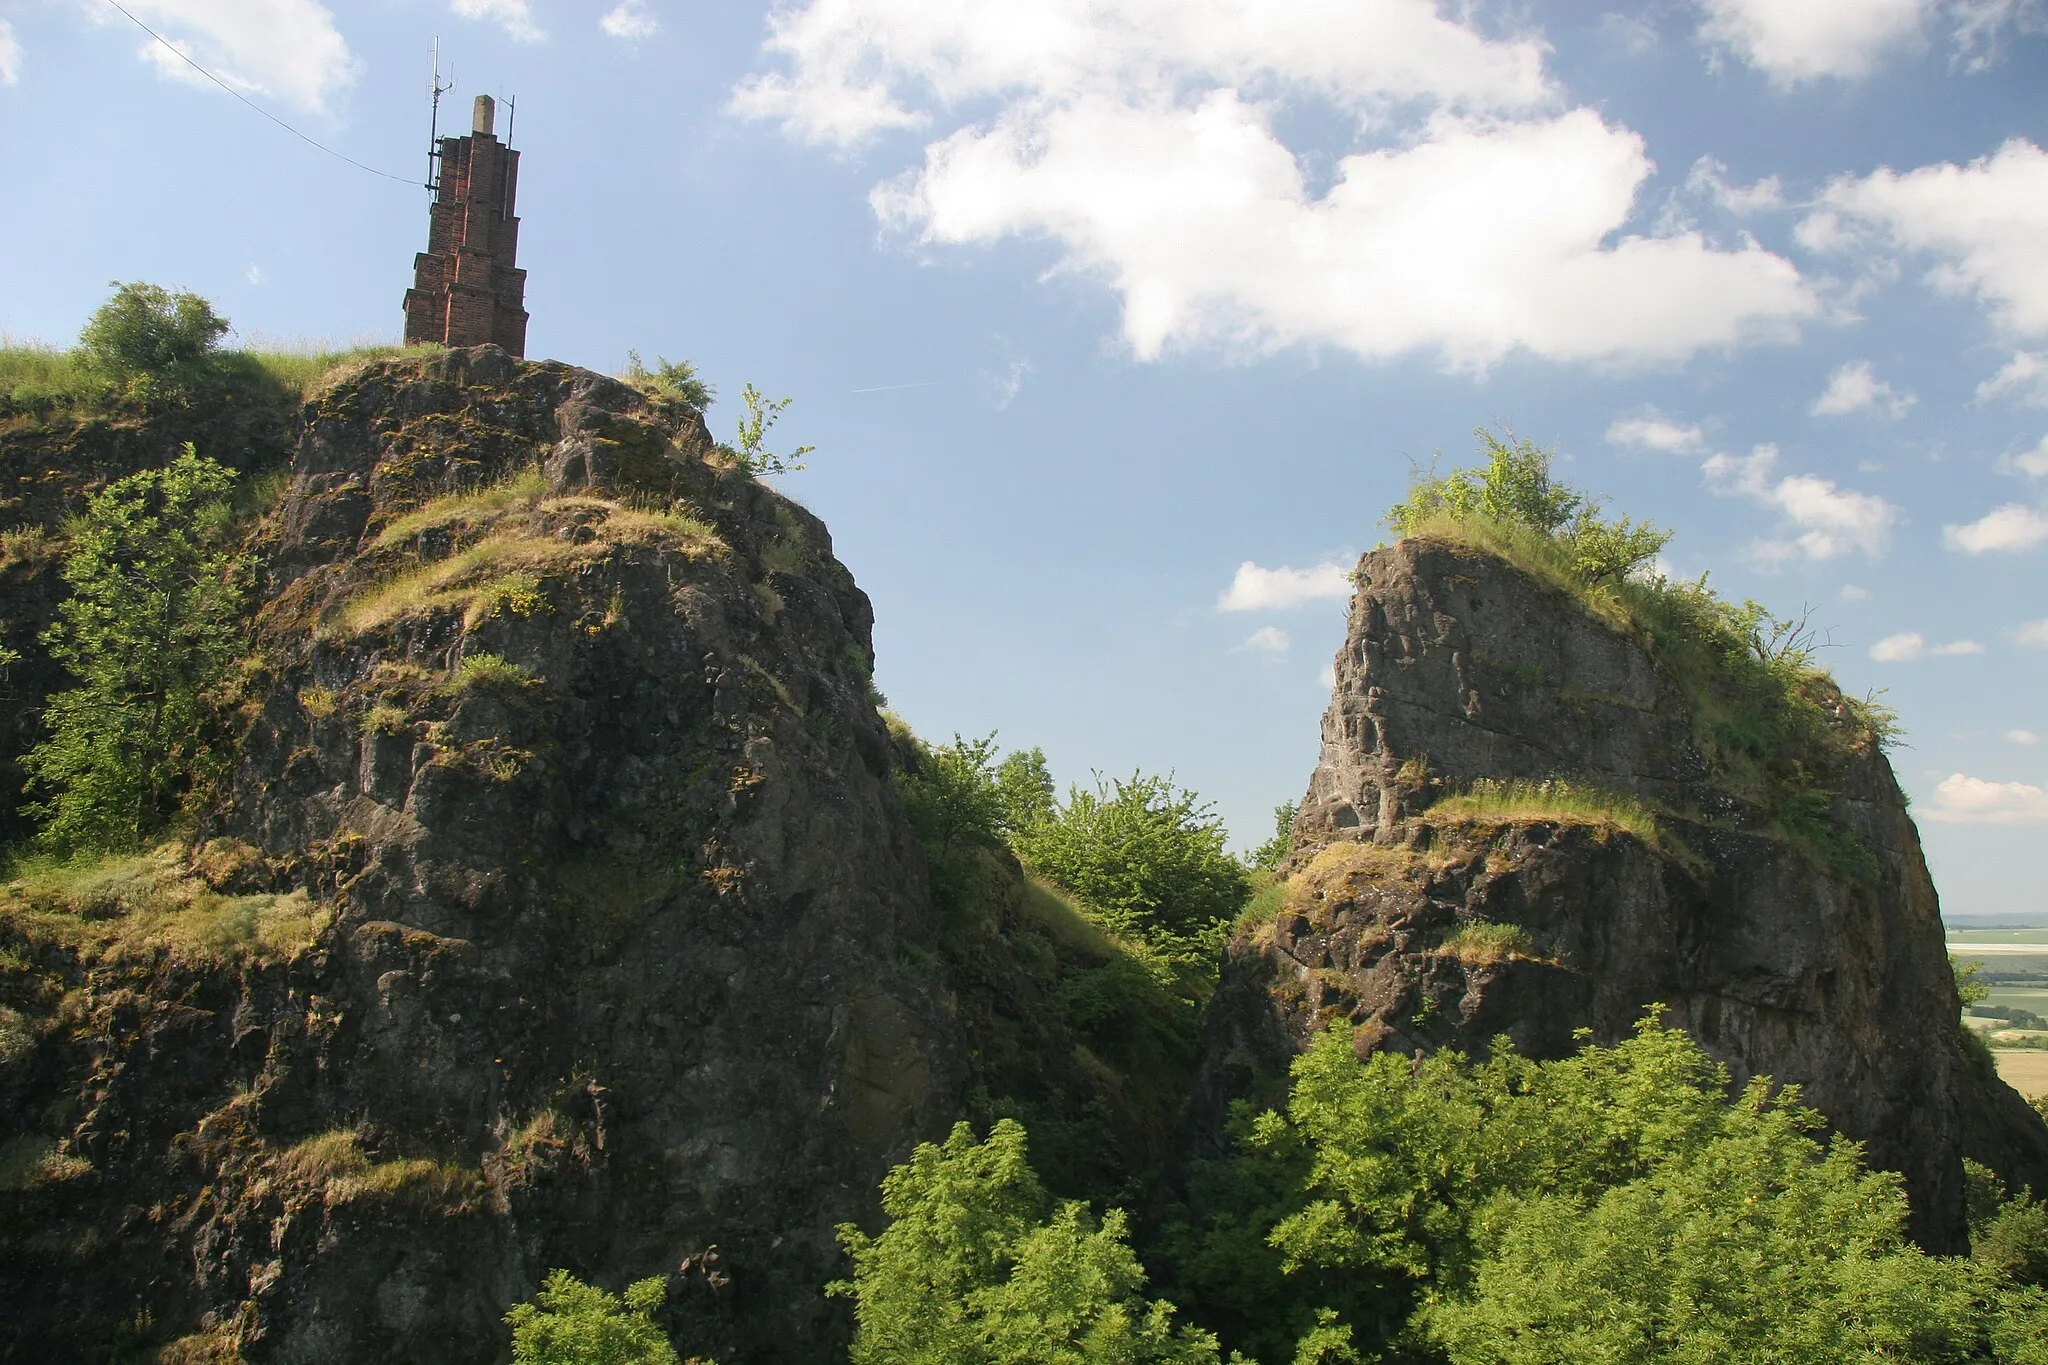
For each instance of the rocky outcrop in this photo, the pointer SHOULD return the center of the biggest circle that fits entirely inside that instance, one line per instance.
(562, 727)
(1651, 878)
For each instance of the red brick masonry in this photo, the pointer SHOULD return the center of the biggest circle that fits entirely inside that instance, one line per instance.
(466, 290)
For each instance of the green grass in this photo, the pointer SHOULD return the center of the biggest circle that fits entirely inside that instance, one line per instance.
(127, 906)
(335, 1164)
(1969, 936)
(465, 511)
(42, 379)
(480, 668)
(1482, 941)
(1490, 803)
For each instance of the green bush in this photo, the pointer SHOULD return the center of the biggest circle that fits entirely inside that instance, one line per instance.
(669, 379)
(978, 1266)
(1147, 857)
(1615, 1205)
(150, 626)
(571, 1323)
(1269, 855)
(154, 348)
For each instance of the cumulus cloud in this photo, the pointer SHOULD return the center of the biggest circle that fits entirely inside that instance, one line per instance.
(1257, 589)
(1710, 178)
(2024, 378)
(10, 54)
(2034, 633)
(514, 16)
(1831, 521)
(1852, 593)
(2011, 527)
(1137, 136)
(2024, 738)
(1984, 224)
(2031, 462)
(1654, 431)
(289, 50)
(1960, 799)
(1855, 387)
(1266, 640)
(1954, 647)
(630, 19)
(1802, 40)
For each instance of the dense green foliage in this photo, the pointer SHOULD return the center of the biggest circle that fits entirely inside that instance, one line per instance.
(150, 626)
(1514, 488)
(1148, 857)
(572, 1323)
(154, 348)
(979, 1266)
(1612, 1206)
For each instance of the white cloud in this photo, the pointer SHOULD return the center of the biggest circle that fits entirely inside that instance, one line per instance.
(1985, 223)
(1854, 387)
(1833, 520)
(1009, 383)
(1852, 593)
(254, 274)
(1328, 677)
(1137, 136)
(1709, 177)
(10, 54)
(2025, 377)
(514, 16)
(2011, 527)
(1899, 649)
(1980, 26)
(1654, 431)
(630, 19)
(2033, 633)
(1266, 640)
(1257, 589)
(2024, 738)
(1631, 34)
(287, 49)
(2031, 462)
(1803, 40)
(1972, 800)
(1957, 647)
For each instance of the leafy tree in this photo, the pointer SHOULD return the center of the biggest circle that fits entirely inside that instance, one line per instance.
(1024, 786)
(979, 1267)
(153, 347)
(1514, 488)
(149, 627)
(1147, 856)
(677, 379)
(571, 1323)
(1613, 1205)
(1269, 855)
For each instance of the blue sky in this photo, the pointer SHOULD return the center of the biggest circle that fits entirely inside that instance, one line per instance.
(1117, 325)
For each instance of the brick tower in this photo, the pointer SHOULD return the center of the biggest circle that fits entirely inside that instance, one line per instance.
(466, 290)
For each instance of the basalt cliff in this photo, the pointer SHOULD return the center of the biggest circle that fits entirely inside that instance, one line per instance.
(551, 911)
(1523, 823)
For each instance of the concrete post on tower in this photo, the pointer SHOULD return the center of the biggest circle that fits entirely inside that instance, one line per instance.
(467, 289)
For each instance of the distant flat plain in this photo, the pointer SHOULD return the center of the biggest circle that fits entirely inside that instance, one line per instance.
(2018, 958)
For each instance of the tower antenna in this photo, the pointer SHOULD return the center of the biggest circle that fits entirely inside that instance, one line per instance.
(434, 120)
(511, 116)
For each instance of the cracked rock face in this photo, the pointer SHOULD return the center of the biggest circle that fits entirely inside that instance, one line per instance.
(566, 725)
(1458, 668)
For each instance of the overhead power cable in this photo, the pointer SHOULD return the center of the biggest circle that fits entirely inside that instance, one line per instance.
(172, 48)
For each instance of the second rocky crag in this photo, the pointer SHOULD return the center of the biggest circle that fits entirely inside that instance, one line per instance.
(1542, 809)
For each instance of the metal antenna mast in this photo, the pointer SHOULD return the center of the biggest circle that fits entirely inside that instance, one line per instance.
(434, 122)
